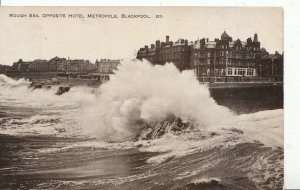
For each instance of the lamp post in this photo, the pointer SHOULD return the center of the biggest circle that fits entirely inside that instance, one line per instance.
(260, 72)
(272, 70)
(226, 66)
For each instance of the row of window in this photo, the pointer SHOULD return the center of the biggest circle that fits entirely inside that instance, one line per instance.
(240, 63)
(240, 47)
(241, 72)
(237, 55)
(229, 71)
(107, 68)
(223, 61)
(202, 54)
(174, 49)
(230, 54)
(171, 56)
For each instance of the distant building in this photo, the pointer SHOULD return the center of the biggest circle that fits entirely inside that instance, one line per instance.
(57, 64)
(80, 65)
(271, 67)
(4, 68)
(107, 65)
(21, 66)
(203, 57)
(162, 52)
(73, 65)
(39, 65)
(224, 57)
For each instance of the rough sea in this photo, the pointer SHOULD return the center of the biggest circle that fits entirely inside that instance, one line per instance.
(147, 128)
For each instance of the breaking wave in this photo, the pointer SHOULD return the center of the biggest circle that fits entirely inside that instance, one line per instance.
(141, 93)
(8, 82)
(18, 91)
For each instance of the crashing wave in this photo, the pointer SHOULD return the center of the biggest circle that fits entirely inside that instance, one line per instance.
(9, 82)
(140, 91)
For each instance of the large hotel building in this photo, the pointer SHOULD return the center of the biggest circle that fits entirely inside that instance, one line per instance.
(161, 52)
(219, 58)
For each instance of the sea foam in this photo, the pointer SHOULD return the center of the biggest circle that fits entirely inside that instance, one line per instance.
(139, 93)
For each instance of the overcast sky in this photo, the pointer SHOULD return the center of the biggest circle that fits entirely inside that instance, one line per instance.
(44, 38)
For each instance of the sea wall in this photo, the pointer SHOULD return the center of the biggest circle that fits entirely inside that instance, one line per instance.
(248, 97)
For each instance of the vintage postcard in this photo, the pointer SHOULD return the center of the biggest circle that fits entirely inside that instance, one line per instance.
(141, 98)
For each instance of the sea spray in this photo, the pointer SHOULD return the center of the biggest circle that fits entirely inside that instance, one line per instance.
(24, 111)
(139, 93)
(19, 92)
(9, 82)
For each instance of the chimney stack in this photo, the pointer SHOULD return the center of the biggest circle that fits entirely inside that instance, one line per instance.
(152, 46)
(157, 44)
(255, 38)
(186, 42)
(167, 39)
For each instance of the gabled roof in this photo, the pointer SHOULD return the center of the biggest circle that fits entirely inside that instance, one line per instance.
(238, 42)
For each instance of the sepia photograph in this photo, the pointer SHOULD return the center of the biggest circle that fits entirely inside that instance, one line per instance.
(142, 98)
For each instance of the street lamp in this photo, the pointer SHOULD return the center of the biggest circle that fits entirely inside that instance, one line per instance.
(260, 72)
(272, 70)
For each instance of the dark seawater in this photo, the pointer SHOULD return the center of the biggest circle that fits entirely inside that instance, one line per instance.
(44, 145)
(249, 99)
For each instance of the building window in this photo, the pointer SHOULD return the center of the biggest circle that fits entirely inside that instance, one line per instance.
(250, 72)
(229, 71)
(207, 72)
(240, 71)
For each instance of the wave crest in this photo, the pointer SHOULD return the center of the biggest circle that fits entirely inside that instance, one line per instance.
(140, 92)
(9, 82)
